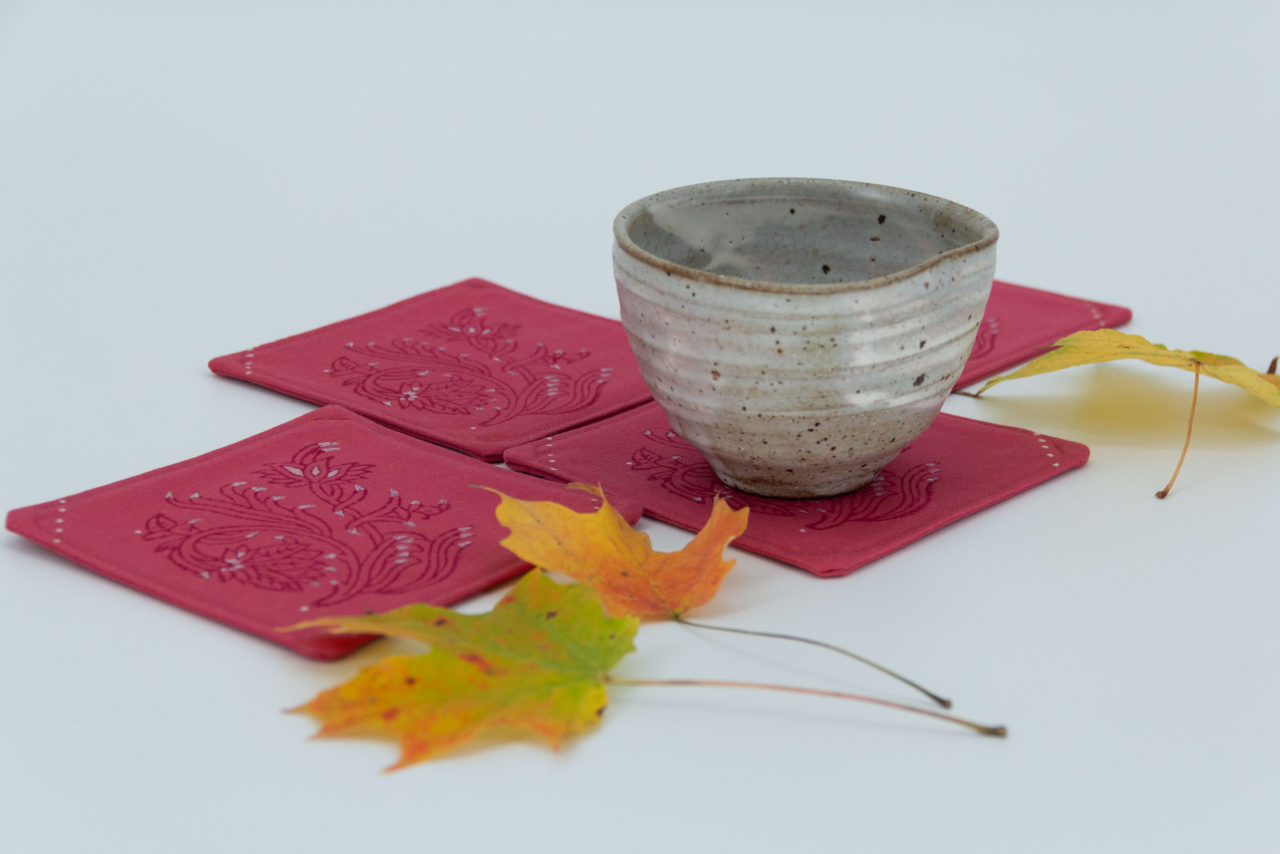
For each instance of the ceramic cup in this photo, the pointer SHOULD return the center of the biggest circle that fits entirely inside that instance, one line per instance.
(800, 332)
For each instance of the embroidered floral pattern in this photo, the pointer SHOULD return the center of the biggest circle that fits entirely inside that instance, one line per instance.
(680, 470)
(467, 367)
(340, 543)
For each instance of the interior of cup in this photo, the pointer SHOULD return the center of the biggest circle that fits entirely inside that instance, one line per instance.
(795, 231)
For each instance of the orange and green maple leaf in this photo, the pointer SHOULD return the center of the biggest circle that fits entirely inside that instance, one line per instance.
(536, 663)
(601, 549)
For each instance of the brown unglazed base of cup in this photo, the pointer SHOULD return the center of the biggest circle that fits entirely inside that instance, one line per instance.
(776, 488)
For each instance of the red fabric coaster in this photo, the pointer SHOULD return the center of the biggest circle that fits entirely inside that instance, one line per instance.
(1020, 323)
(473, 366)
(958, 467)
(328, 514)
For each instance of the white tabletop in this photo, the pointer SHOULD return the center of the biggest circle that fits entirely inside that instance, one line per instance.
(179, 181)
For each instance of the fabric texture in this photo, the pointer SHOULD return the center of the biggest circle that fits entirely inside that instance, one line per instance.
(958, 467)
(328, 514)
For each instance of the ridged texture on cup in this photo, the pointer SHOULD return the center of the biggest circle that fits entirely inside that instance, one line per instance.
(808, 391)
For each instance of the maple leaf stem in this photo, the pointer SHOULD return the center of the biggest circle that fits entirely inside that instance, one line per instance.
(1271, 369)
(1191, 419)
(941, 701)
(998, 731)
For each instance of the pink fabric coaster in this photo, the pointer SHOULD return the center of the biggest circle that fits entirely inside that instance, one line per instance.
(327, 514)
(1020, 323)
(958, 467)
(473, 366)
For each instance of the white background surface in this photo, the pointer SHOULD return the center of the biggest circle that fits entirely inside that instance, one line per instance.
(182, 180)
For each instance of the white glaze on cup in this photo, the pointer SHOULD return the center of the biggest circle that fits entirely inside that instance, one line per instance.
(800, 332)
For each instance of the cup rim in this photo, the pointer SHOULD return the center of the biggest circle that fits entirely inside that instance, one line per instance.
(980, 222)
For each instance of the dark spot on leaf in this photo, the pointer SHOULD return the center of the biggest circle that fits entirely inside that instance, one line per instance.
(441, 621)
(410, 680)
(477, 660)
(600, 711)
(551, 615)
(390, 715)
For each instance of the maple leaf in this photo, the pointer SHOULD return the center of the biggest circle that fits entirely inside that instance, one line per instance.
(536, 663)
(603, 550)
(1108, 345)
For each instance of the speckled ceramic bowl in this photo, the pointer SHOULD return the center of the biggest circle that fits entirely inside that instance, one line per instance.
(800, 332)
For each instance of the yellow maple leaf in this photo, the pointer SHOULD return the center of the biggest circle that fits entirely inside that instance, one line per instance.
(1109, 345)
(603, 550)
(536, 663)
